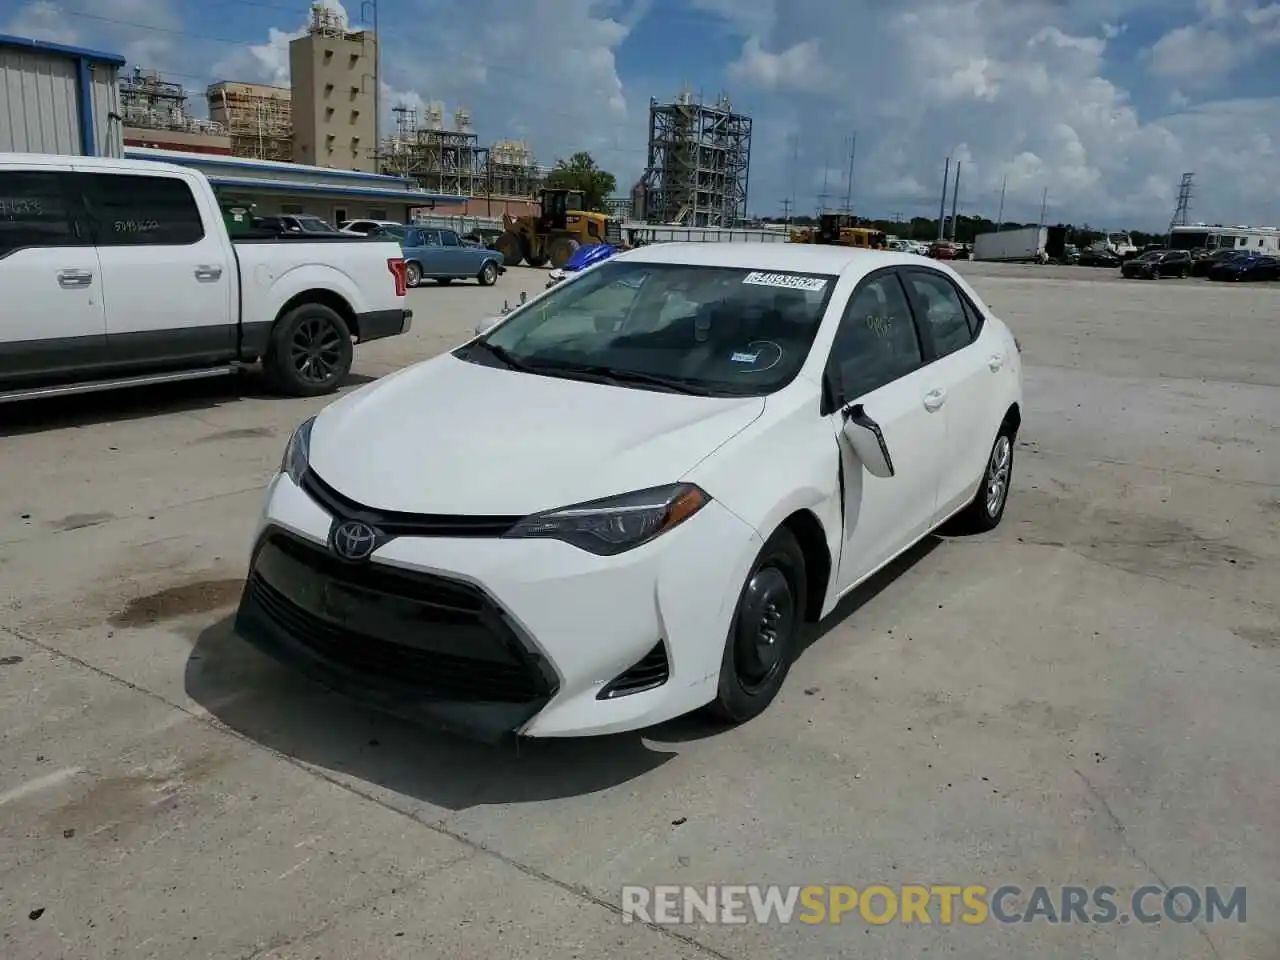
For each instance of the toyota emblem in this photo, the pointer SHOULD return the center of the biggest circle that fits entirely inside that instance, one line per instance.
(353, 540)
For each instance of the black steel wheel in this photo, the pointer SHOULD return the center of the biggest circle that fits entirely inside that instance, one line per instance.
(310, 352)
(765, 633)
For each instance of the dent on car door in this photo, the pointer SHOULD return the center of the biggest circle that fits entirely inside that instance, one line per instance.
(967, 357)
(168, 279)
(876, 378)
(53, 321)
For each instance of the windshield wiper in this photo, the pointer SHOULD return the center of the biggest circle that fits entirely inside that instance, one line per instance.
(621, 375)
(502, 355)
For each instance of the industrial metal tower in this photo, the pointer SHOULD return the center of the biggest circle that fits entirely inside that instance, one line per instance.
(699, 160)
(1181, 212)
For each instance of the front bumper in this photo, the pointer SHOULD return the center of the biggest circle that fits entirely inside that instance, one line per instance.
(379, 324)
(488, 637)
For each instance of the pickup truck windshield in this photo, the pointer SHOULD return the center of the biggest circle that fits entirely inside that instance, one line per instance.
(710, 330)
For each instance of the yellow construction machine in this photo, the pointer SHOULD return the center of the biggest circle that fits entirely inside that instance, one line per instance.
(555, 234)
(840, 229)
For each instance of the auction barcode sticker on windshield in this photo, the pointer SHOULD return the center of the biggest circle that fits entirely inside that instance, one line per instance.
(788, 281)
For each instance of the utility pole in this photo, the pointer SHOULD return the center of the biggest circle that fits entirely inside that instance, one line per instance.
(795, 164)
(955, 202)
(1000, 216)
(826, 173)
(848, 192)
(786, 212)
(942, 204)
(1044, 202)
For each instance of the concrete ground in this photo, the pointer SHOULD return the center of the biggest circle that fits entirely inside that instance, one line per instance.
(1086, 696)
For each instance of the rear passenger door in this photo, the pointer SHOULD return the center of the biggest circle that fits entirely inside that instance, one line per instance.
(167, 277)
(877, 359)
(965, 358)
(52, 321)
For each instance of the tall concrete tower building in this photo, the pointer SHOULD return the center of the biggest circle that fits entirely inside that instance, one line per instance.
(333, 76)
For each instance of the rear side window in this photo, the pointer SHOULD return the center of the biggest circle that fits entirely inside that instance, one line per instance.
(942, 311)
(35, 212)
(136, 211)
(448, 238)
(877, 341)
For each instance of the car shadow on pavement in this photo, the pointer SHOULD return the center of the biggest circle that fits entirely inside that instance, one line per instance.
(133, 403)
(290, 715)
(696, 726)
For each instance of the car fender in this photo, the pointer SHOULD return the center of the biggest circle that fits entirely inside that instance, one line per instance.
(268, 294)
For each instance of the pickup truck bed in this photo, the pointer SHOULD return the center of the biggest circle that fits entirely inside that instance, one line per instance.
(120, 272)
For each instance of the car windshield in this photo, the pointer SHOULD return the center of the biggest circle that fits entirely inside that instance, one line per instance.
(314, 225)
(1153, 255)
(717, 331)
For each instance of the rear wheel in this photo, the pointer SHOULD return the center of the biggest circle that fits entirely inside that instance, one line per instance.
(511, 246)
(764, 635)
(536, 259)
(310, 351)
(412, 274)
(561, 249)
(987, 508)
(488, 274)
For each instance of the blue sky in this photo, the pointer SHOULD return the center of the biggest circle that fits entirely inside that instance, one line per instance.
(1103, 102)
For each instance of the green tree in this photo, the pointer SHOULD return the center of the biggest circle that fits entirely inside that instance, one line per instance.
(580, 172)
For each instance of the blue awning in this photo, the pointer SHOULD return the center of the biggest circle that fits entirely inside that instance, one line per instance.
(414, 198)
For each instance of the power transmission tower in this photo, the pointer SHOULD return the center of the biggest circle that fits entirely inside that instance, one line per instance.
(786, 212)
(1181, 212)
(848, 191)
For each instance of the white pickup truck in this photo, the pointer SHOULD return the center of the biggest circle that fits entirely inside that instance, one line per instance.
(120, 273)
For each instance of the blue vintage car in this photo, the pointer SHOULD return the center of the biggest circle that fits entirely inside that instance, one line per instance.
(431, 253)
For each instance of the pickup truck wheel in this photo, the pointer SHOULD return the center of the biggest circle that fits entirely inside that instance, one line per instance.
(488, 275)
(412, 274)
(310, 352)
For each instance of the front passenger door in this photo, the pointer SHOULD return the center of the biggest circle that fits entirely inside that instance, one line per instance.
(877, 360)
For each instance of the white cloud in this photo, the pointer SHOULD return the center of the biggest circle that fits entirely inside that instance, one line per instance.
(1023, 91)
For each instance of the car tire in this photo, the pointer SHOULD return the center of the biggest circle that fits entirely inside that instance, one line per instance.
(765, 632)
(309, 353)
(412, 274)
(986, 510)
(488, 274)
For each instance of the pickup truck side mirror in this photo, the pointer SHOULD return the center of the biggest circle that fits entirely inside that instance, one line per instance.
(868, 442)
(487, 324)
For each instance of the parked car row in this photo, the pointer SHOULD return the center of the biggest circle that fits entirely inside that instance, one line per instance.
(1155, 264)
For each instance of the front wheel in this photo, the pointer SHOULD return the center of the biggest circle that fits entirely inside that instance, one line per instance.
(488, 274)
(764, 635)
(412, 274)
(310, 352)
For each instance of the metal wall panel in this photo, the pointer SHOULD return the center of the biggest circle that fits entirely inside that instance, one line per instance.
(108, 128)
(38, 107)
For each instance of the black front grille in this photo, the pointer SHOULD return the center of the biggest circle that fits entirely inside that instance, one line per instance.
(443, 638)
(398, 524)
(651, 672)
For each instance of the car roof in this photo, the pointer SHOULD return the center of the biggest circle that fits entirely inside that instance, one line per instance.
(792, 257)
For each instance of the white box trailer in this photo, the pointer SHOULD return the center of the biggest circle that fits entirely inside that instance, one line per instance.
(1012, 246)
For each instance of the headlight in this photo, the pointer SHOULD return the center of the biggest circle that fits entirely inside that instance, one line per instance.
(616, 524)
(298, 453)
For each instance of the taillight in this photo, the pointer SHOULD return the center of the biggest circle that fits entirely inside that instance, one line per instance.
(396, 266)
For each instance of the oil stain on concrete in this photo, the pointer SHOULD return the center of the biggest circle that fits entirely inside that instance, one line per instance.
(200, 596)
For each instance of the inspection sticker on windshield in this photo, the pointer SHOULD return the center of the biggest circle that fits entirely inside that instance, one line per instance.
(788, 281)
(739, 357)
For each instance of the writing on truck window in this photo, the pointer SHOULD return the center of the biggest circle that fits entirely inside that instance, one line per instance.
(135, 227)
(11, 208)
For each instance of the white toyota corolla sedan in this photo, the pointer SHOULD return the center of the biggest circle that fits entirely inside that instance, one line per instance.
(624, 500)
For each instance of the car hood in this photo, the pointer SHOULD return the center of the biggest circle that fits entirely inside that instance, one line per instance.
(451, 437)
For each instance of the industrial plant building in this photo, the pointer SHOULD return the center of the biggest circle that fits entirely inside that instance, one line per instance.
(333, 76)
(698, 164)
(156, 115)
(59, 99)
(257, 118)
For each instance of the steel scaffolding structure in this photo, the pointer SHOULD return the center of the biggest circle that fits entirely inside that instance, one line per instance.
(258, 117)
(698, 165)
(151, 103)
(453, 162)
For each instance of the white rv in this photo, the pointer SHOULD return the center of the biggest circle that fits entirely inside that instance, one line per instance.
(1210, 237)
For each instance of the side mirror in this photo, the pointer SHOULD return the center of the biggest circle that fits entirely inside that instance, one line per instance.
(868, 442)
(487, 324)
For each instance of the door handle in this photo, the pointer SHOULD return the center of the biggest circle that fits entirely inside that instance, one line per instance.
(208, 274)
(934, 399)
(74, 279)
(995, 362)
